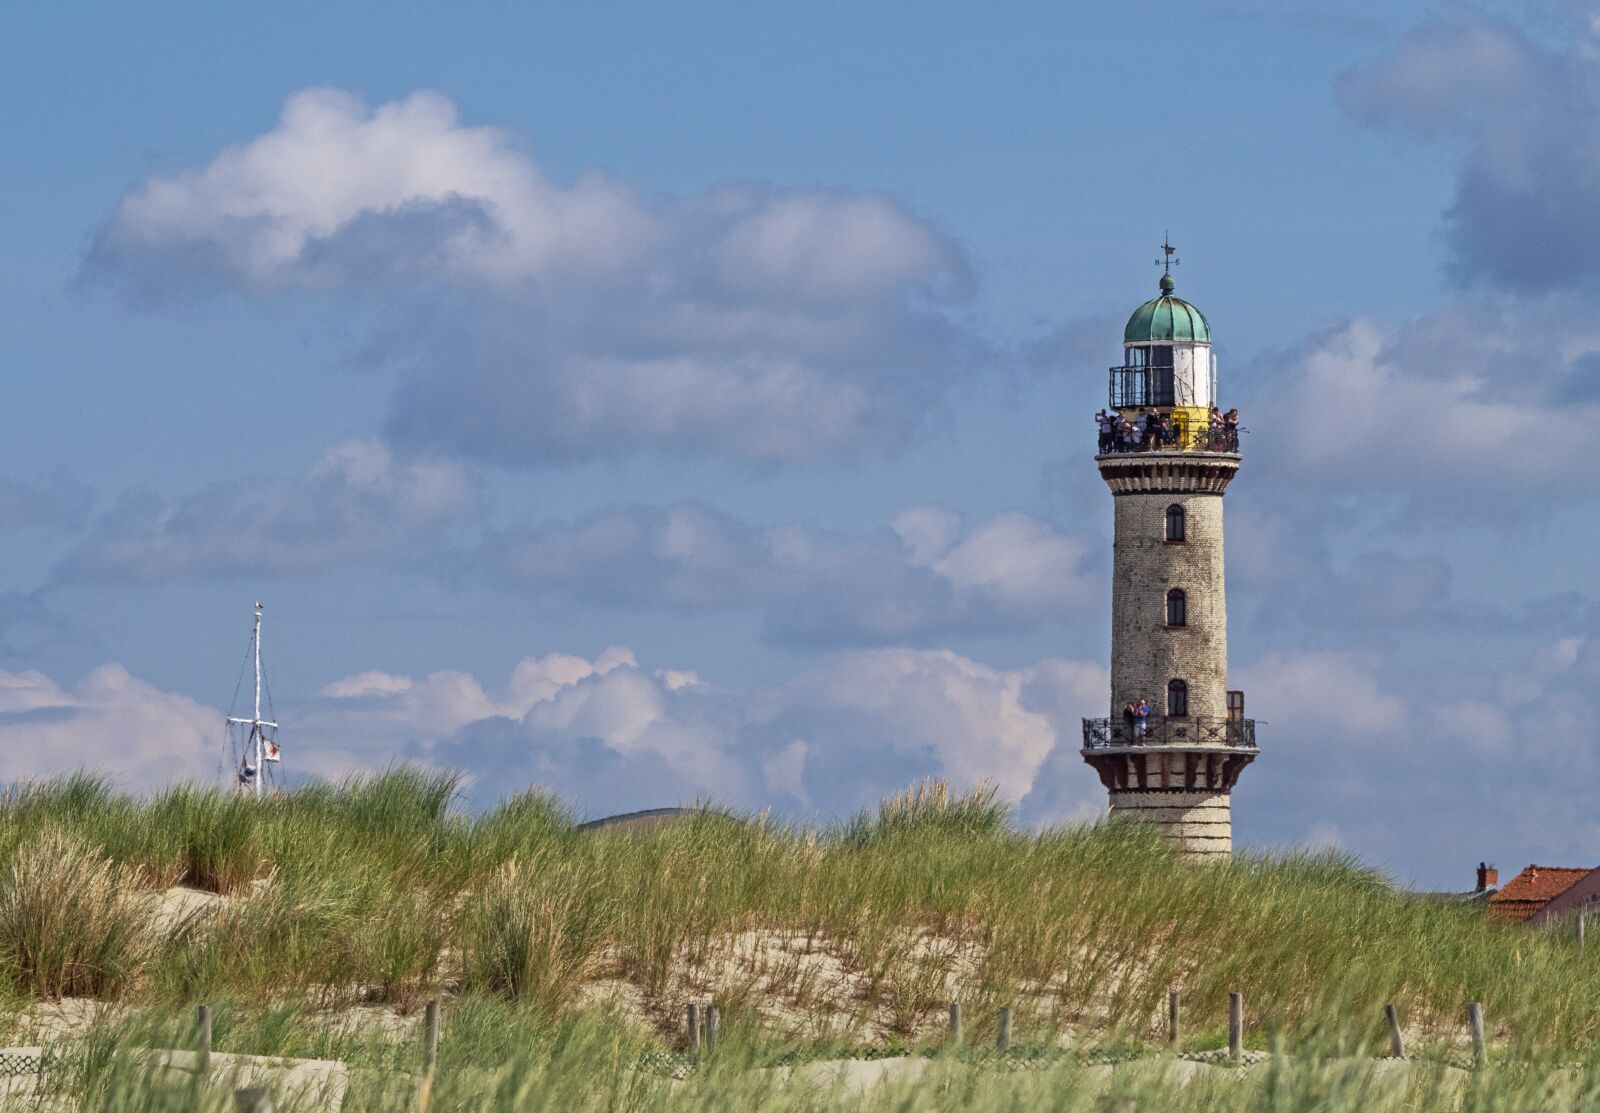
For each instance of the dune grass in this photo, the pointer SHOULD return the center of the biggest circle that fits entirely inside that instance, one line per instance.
(380, 890)
(69, 922)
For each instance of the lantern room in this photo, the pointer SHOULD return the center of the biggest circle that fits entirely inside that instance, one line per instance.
(1167, 360)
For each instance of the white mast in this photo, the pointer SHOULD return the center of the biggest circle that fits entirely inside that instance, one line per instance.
(257, 739)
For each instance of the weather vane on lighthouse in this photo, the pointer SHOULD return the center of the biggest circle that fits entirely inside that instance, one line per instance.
(1168, 262)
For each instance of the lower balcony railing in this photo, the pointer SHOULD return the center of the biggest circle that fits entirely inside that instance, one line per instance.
(1103, 734)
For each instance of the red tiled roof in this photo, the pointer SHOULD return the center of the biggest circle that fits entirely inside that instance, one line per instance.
(1531, 890)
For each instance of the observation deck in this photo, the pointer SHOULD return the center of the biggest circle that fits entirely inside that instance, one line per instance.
(1170, 754)
(1110, 735)
(1183, 436)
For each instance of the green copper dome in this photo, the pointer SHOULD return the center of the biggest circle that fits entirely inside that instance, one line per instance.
(1167, 318)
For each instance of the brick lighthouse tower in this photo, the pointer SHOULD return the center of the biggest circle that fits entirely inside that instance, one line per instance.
(1175, 767)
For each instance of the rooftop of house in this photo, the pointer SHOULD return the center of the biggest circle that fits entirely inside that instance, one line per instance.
(1531, 890)
(638, 823)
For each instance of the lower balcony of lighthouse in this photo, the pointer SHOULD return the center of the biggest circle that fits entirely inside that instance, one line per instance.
(1170, 754)
(1168, 472)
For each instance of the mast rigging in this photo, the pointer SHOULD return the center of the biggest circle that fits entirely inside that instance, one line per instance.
(258, 747)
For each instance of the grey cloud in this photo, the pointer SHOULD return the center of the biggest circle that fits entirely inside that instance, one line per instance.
(1392, 750)
(356, 500)
(1375, 592)
(31, 628)
(540, 383)
(408, 243)
(55, 499)
(1079, 344)
(926, 575)
(1527, 196)
(1582, 385)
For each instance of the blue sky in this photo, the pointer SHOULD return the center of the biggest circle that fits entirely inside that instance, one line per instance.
(660, 403)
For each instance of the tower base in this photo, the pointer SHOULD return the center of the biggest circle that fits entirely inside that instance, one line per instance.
(1199, 822)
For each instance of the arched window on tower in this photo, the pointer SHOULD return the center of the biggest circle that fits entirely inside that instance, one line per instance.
(1175, 523)
(1177, 607)
(1177, 699)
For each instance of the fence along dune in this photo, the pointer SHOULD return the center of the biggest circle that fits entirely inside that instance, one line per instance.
(383, 890)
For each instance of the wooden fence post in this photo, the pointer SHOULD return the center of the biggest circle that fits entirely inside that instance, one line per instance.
(955, 1023)
(694, 1028)
(430, 1036)
(1002, 1039)
(1235, 1026)
(712, 1017)
(1172, 1017)
(1480, 1051)
(202, 1021)
(1577, 926)
(1391, 1017)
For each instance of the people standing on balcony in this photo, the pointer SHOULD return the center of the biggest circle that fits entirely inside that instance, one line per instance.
(1153, 431)
(1130, 717)
(1141, 725)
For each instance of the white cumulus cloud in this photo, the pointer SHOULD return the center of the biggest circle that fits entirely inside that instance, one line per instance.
(612, 735)
(568, 320)
(140, 736)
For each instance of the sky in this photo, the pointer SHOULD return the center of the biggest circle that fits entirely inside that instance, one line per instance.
(694, 402)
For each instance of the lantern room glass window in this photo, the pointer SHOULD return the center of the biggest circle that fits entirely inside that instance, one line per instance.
(1177, 699)
(1177, 607)
(1147, 379)
(1175, 523)
(1162, 392)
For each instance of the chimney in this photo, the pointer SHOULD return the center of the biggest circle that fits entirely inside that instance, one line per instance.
(1488, 878)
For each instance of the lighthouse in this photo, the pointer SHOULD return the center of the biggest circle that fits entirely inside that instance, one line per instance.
(1176, 739)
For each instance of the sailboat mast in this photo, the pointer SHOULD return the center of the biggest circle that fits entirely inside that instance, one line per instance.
(261, 775)
(254, 775)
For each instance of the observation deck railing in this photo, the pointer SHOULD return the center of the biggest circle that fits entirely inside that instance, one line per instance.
(1106, 734)
(1192, 437)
